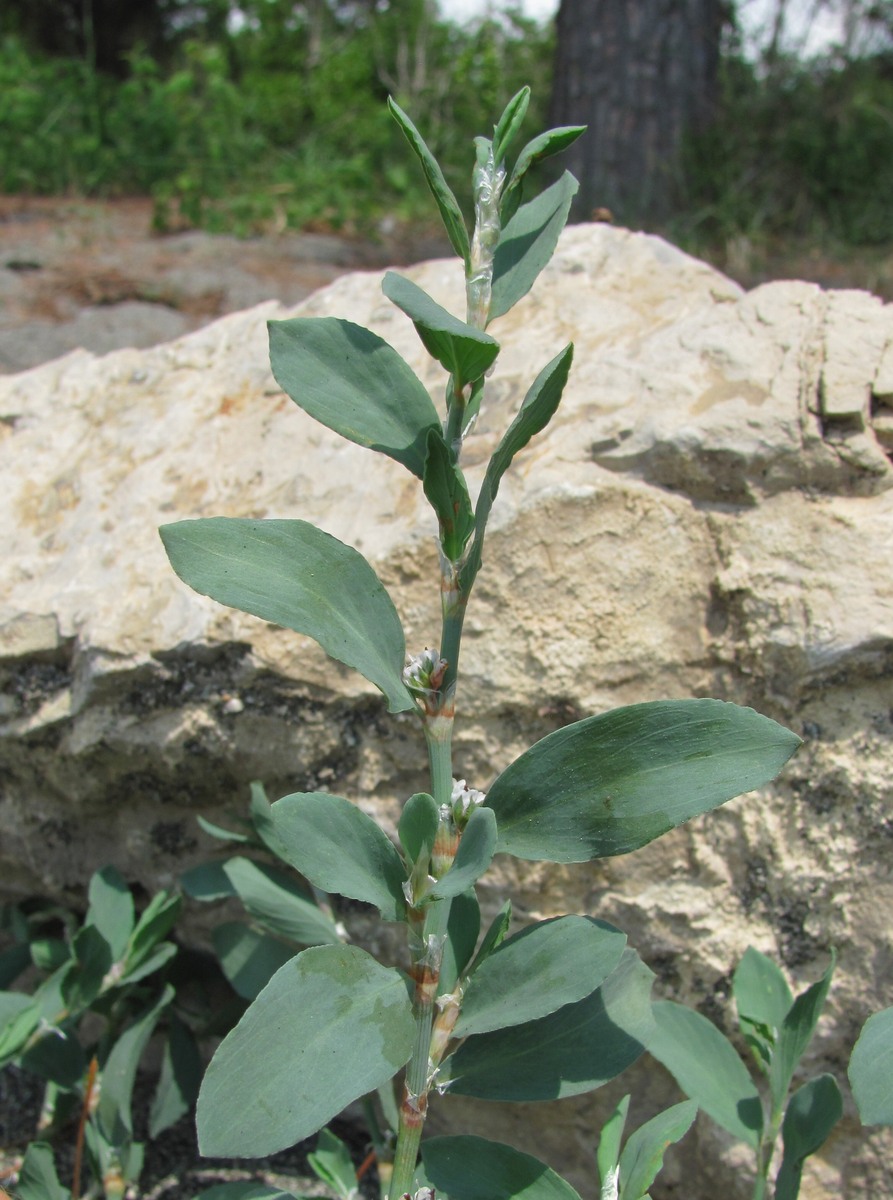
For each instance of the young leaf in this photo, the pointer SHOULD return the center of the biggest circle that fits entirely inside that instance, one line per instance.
(574, 1050)
(272, 898)
(609, 784)
(447, 203)
(510, 123)
(162, 954)
(763, 999)
(353, 382)
(475, 853)
(331, 1162)
(527, 243)
(221, 834)
(417, 827)
(340, 849)
(540, 969)
(535, 413)
(84, 978)
(608, 1153)
(463, 927)
(293, 574)
(447, 493)
(796, 1033)
(207, 881)
(871, 1070)
(261, 813)
(643, 1154)
(249, 959)
(812, 1113)
(178, 1084)
(156, 921)
(706, 1066)
(119, 1072)
(350, 1028)
(495, 935)
(466, 352)
(544, 145)
(472, 1168)
(38, 1179)
(111, 909)
(56, 1057)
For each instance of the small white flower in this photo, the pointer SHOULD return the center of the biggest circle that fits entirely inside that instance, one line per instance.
(463, 800)
(424, 672)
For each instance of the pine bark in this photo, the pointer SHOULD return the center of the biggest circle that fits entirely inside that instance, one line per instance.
(643, 75)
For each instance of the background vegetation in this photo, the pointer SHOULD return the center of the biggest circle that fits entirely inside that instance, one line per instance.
(276, 118)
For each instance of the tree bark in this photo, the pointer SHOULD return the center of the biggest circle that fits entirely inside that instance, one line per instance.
(643, 75)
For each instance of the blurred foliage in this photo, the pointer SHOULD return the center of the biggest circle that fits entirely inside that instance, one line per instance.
(281, 121)
(277, 120)
(805, 149)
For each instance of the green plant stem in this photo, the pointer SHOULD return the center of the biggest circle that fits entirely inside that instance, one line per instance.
(425, 971)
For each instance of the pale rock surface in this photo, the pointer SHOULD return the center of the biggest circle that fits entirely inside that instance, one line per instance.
(710, 513)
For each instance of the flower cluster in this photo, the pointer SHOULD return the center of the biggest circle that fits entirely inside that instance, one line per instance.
(463, 801)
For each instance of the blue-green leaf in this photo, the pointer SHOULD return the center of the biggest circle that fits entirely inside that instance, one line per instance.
(812, 1113)
(871, 1070)
(612, 783)
(796, 1033)
(38, 1179)
(272, 898)
(510, 123)
(763, 999)
(249, 958)
(706, 1066)
(540, 969)
(447, 493)
(353, 382)
(330, 1026)
(178, 1084)
(472, 1168)
(417, 827)
(447, 203)
(111, 909)
(293, 574)
(527, 243)
(331, 1162)
(643, 1154)
(119, 1072)
(340, 849)
(608, 1153)
(544, 145)
(466, 352)
(574, 1050)
(535, 413)
(463, 927)
(475, 853)
(207, 881)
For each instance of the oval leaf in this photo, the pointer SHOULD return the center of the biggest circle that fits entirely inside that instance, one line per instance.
(293, 574)
(473, 1168)
(574, 1050)
(796, 1033)
(463, 927)
(871, 1070)
(340, 849)
(612, 783)
(352, 381)
(706, 1066)
(417, 827)
(331, 1025)
(543, 967)
(466, 352)
(527, 243)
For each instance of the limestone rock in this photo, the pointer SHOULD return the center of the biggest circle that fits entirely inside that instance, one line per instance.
(710, 513)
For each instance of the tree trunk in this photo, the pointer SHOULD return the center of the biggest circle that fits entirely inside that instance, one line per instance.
(642, 74)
